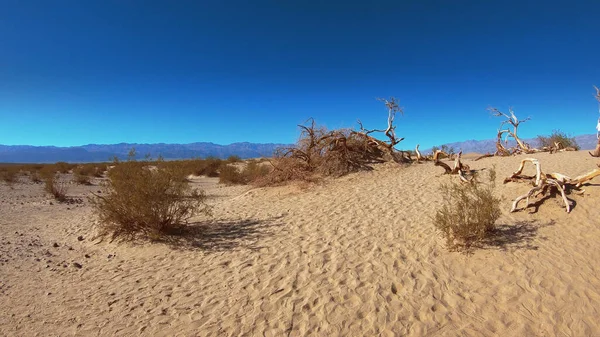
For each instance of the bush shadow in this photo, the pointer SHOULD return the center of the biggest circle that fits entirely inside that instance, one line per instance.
(217, 236)
(513, 237)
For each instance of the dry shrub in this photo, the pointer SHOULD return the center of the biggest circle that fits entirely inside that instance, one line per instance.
(99, 170)
(252, 172)
(469, 212)
(320, 152)
(82, 173)
(234, 159)
(231, 175)
(146, 201)
(560, 137)
(53, 186)
(207, 167)
(35, 176)
(64, 167)
(9, 174)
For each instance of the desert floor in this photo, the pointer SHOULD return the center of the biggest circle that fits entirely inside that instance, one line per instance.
(355, 256)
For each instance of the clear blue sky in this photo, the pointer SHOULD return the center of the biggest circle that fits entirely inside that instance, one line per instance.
(80, 72)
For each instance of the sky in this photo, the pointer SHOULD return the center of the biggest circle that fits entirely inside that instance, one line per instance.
(105, 72)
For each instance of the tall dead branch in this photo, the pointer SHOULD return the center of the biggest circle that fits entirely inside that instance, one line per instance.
(596, 152)
(544, 183)
(505, 130)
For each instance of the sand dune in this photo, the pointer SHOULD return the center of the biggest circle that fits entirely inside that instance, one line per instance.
(356, 256)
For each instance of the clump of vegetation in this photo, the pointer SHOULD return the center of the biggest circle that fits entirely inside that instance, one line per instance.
(234, 159)
(54, 186)
(469, 212)
(9, 174)
(252, 172)
(320, 152)
(207, 167)
(35, 176)
(559, 140)
(82, 173)
(146, 201)
(64, 167)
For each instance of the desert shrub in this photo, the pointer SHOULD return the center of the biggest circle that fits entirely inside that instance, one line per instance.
(64, 167)
(35, 176)
(320, 152)
(230, 174)
(557, 136)
(82, 173)
(469, 212)
(146, 201)
(53, 186)
(207, 167)
(234, 159)
(253, 171)
(99, 170)
(9, 174)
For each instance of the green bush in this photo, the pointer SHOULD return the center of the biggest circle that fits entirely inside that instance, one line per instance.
(468, 214)
(146, 201)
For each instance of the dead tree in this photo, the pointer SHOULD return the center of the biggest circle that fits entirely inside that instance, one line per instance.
(459, 168)
(419, 155)
(543, 183)
(337, 152)
(596, 152)
(390, 132)
(512, 120)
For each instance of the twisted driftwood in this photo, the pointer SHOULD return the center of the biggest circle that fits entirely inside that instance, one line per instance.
(459, 168)
(542, 182)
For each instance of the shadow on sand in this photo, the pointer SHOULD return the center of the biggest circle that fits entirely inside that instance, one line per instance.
(516, 236)
(219, 236)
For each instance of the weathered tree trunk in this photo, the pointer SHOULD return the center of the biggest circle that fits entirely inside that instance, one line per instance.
(596, 152)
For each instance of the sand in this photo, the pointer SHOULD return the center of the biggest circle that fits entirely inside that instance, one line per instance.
(356, 256)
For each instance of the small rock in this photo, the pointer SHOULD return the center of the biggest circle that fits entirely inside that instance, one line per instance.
(55, 245)
(109, 256)
(77, 265)
(70, 248)
(50, 203)
(49, 294)
(80, 238)
(87, 256)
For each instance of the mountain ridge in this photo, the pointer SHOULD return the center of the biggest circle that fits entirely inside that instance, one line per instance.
(105, 152)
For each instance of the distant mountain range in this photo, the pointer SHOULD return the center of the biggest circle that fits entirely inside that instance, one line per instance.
(102, 153)
(586, 142)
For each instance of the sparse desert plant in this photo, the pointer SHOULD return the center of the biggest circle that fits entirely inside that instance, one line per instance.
(54, 186)
(207, 167)
(234, 159)
(63, 167)
(252, 172)
(146, 201)
(468, 213)
(9, 174)
(231, 175)
(81, 174)
(35, 176)
(558, 137)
